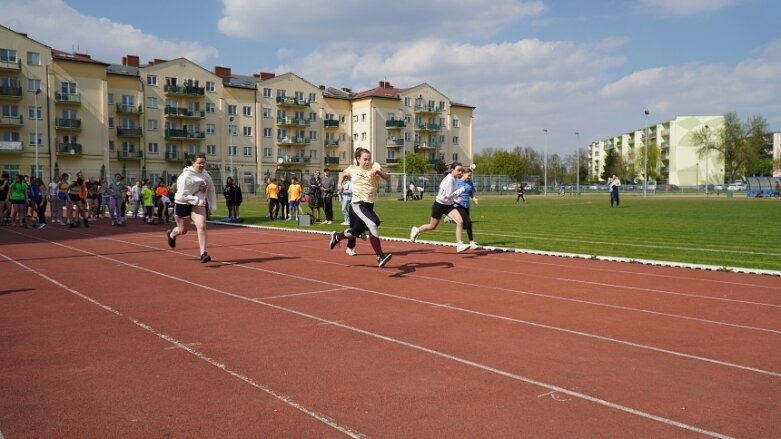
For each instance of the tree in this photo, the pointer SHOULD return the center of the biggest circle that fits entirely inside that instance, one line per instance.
(415, 164)
(654, 160)
(614, 164)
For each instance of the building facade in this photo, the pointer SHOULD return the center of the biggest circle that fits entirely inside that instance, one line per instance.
(680, 163)
(145, 120)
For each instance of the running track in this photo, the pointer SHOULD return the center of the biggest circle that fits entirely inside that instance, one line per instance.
(106, 332)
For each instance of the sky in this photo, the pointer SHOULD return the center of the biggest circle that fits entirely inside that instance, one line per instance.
(566, 66)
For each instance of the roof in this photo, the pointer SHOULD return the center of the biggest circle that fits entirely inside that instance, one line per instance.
(120, 69)
(388, 91)
(241, 81)
(77, 57)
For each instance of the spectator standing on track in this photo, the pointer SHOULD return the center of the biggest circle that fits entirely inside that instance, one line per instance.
(327, 187)
(135, 198)
(163, 200)
(77, 193)
(19, 197)
(284, 208)
(54, 202)
(5, 203)
(62, 195)
(272, 196)
(117, 191)
(148, 198)
(613, 183)
(229, 192)
(294, 199)
(346, 199)
(365, 178)
(40, 202)
(462, 204)
(444, 205)
(315, 198)
(195, 194)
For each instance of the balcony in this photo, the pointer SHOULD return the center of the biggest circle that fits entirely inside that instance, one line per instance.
(427, 145)
(129, 132)
(11, 121)
(331, 143)
(330, 123)
(183, 113)
(428, 127)
(392, 161)
(295, 141)
(11, 147)
(11, 66)
(69, 148)
(10, 92)
(395, 124)
(184, 134)
(293, 121)
(129, 109)
(67, 98)
(428, 109)
(394, 143)
(184, 90)
(172, 156)
(289, 101)
(68, 124)
(331, 160)
(130, 155)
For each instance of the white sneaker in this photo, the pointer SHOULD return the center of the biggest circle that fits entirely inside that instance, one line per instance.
(461, 247)
(350, 251)
(413, 234)
(345, 223)
(472, 245)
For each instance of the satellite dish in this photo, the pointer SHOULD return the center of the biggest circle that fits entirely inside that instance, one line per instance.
(280, 160)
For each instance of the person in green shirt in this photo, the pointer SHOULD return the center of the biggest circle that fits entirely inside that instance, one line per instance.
(148, 196)
(19, 200)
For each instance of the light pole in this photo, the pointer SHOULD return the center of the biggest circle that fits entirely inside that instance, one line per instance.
(545, 164)
(37, 135)
(403, 155)
(646, 142)
(697, 177)
(577, 168)
(230, 145)
(707, 143)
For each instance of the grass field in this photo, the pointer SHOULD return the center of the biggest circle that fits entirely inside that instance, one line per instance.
(724, 232)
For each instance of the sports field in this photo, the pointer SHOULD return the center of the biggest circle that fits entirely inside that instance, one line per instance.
(719, 231)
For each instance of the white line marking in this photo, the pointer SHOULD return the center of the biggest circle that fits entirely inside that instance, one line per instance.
(200, 355)
(285, 296)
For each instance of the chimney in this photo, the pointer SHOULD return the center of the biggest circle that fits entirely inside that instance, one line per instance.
(131, 60)
(264, 75)
(346, 90)
(222, 72)
(321, 87)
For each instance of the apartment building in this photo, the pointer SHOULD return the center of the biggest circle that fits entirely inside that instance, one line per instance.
(145, 120)
(680, 163)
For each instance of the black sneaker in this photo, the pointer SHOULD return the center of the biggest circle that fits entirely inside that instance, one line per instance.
(205, 258)
(171, 241)
(86, 223)
(334, 240)
(383, 259)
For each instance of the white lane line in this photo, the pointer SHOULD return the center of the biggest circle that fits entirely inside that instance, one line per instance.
(465, 310)
(285, 296)
(480, 366)
(200, 355)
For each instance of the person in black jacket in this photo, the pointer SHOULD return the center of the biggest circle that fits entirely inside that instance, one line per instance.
(315, 197)
(229, 192)
(284, 209)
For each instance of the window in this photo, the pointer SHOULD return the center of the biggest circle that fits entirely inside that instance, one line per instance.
(151, 124)
(110, 122)
(232, 109)
(355, 118)
(12, 111)
(342, 118)
(152, 148)
(151, 102)
(280, 93)
(313, 135)
(355, 136)
(211, 149)
(233, 130)
(210, 107)
(247, 151)
(68, 88)
(211, 128)
(36, 139)
(455, 140)
(266, 92)
(456, 123)
(312, 116)
(407, 102)
(455, 157)
(9, 136)
(312, 97)
(34, 113)
(281, 133)
(266, 152)
(33, 84)
(363, 117)
(313, 154)
(232, 150)
(7, 55)
(111, 146)
(363, 136)
(248, 131)
(33, 58)
(391, 154)
(210, 86)
(268, 112)
(151, 80)
(247, 111)
(127, 123)
(267, 132)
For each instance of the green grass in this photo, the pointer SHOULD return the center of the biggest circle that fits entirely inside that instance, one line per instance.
(735, 232)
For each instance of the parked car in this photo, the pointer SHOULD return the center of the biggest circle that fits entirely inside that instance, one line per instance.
(668, 188)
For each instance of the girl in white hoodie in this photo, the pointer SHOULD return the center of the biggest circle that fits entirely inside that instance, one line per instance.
(195, 193)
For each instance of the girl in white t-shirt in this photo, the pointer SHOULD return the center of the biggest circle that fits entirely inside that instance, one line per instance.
(444, 204)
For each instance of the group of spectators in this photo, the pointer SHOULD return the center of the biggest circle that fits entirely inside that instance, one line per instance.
(285, 198)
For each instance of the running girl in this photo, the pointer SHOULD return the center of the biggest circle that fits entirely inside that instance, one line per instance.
(444, 204)
(462, 205)
(195, 194)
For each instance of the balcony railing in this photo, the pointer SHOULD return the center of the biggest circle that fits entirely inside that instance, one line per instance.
(428, 127)
(293, 141)
(172, 156)
(428, 109)
(331, 143)
(67, 124)
(293, 121)
(69, 148)
(291, 101)
(394, 143)
(331, 123)
(11, 120)
(395, 124)
(11, 147)
(129, 132)
(129, 109)
(184, 134)
(11, 92)
(184, 90)
(393, 161)
(331, 160)
(428, 145)
(67, 98)
(184, 113)
(130, 155)
(11, 65)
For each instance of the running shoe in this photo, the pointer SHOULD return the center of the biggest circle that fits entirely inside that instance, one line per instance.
(350, 251)
(171, 241)
(334, 240)
(42, 226)
(383, 259)
(473, 245)
(413, 234)
(461, 247)
(205, 258)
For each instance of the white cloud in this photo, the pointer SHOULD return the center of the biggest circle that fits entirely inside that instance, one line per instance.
(54, 23)
(688, 7)
(400, 20)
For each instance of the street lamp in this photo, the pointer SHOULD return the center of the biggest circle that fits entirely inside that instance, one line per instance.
(403, 154)
(230, 145)
(577, 169)
(707, 143)
(646, 142)
(37, 135)
(545, 164)
(697, 176)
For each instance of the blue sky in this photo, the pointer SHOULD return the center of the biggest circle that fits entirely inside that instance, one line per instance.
(565, 66)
